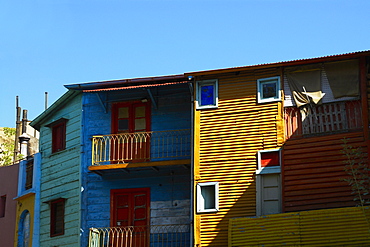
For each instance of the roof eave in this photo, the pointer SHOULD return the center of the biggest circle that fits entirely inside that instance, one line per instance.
(282, 64)
(121, 82)
(36, 123)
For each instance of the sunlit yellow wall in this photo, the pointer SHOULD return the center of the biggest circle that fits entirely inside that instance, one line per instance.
(26, 202)
(326, 227)
(226, 142)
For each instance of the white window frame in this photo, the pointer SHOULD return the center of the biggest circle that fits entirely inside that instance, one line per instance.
(260, 83)
(263, 171)
(199, 85)
(270, 169)
(200, 198)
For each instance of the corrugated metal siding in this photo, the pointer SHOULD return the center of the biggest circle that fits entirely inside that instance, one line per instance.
(313, 170)
(327, 227)
(229, 138)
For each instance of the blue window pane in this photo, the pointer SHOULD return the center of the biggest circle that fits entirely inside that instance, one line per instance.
(207, 95)
(269, 90)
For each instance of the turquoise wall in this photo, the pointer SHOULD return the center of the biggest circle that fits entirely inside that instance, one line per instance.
(60, 173)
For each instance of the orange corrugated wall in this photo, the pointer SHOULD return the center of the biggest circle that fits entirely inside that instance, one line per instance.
(313, 172)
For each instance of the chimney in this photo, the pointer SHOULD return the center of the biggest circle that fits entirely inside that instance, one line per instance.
(24, 138)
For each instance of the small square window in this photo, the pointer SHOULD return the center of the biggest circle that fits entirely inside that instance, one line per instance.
(57, 217)
(59, 136)
(207, 94)
(268, 89)
(268, 161)
(207, 197)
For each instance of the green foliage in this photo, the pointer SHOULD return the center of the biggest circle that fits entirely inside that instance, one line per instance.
(358, 170)
(7, 147)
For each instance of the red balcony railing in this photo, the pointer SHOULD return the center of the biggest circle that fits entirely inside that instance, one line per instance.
(326, 118)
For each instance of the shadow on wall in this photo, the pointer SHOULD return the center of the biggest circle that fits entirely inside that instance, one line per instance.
(237, 203)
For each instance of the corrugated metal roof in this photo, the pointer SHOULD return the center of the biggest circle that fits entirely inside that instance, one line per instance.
(129, 82)
(282, 63)
(181, 78)
(131, 87)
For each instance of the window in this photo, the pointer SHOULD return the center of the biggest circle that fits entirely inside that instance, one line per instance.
(268, 89)
(268, 161)
(2, 206)
(59, 135)
(29, 175)
(207, 197)
(129, 118)
(268, 182)
(207, 94)
(57, 217)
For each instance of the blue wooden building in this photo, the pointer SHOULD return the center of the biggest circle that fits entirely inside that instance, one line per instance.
(136, 161)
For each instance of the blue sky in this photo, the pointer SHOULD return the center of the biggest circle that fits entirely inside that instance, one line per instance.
(45, 44)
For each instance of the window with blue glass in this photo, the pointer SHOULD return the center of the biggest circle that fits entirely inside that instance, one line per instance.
(207, 94)
(268, 89)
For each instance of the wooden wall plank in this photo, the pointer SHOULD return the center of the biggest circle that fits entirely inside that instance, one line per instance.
(314, 171)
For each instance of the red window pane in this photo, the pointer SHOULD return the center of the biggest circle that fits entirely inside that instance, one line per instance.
(270, 159)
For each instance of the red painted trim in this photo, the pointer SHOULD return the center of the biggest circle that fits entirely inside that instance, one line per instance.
(53, 219)
(131, 104)
(59, 136)
(282, 180)
(364, 102)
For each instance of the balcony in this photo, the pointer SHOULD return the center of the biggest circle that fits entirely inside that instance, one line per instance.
(153, 148)
(323, 119)
(140, 236)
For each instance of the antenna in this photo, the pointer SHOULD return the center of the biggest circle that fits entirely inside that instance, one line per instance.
(17, 129)
(46, 100)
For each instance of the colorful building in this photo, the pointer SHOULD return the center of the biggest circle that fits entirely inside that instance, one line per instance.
(269, 140)
(180, 159)
(8, 207)
(28, 202)
(60, 183)
(136, 161)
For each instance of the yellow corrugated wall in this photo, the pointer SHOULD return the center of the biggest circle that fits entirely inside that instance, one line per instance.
(326, 227)
(226, 142)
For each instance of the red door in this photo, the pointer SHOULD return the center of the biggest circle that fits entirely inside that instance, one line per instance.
(130, 207)
(129, 118)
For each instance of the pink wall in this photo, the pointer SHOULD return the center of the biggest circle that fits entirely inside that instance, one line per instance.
(8, 187)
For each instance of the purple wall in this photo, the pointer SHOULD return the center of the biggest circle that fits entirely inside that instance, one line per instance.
(8, 188)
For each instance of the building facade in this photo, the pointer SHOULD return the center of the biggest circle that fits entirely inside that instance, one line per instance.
(136, 161)
(177, 159)
(60, 183)
(270, 138)
(8, 207)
